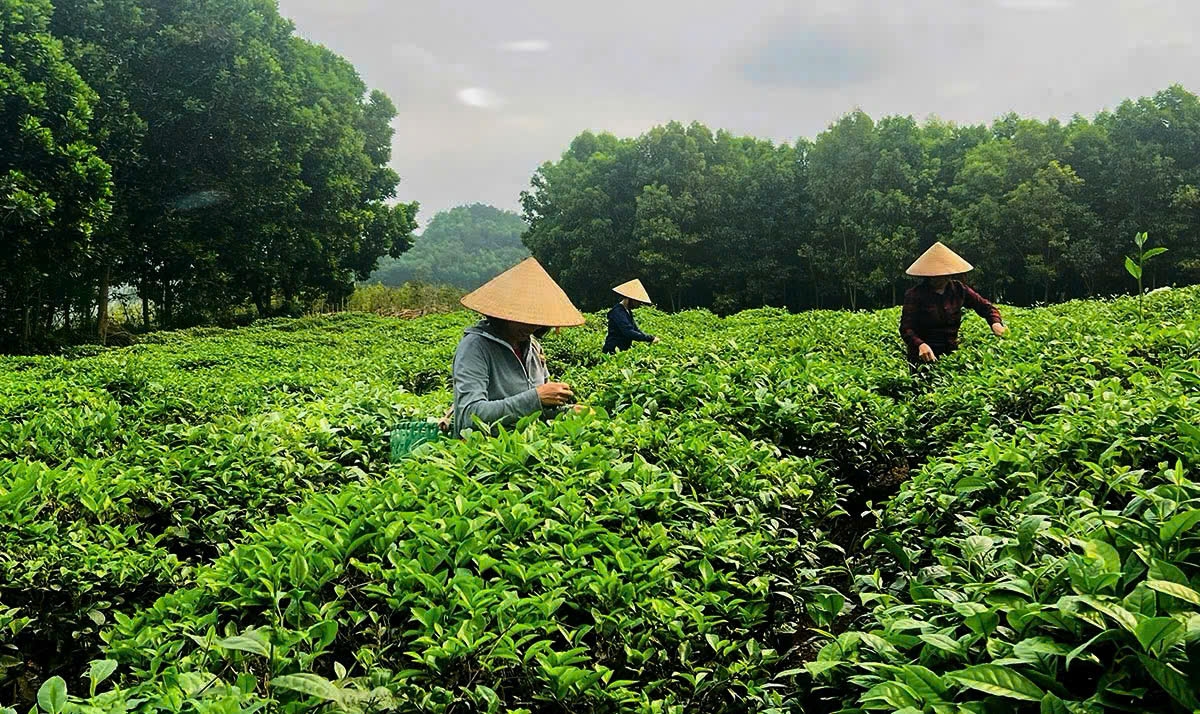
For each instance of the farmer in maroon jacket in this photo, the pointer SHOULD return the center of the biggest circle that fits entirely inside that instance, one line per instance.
(933, 310)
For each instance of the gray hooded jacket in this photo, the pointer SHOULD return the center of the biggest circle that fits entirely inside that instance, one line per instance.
(491, 383)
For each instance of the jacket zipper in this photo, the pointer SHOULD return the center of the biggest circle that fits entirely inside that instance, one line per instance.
(511, 351)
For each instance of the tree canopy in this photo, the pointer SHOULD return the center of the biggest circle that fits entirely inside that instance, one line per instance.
(1045, 210)
(55, 189)
(206, 155)
(463, 247)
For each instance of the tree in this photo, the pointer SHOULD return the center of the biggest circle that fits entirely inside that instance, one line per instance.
(581, 215)
(724, 222)
(250, 166)
(704, 219)
(841, 166)
(54, 188)
(1045, 220)
(463, 247)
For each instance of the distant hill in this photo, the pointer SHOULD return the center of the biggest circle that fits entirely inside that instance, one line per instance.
(463, 247)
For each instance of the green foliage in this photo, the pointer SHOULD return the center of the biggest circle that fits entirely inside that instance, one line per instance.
(1055, 560)
(408, 299)
(464, 248)
(54, 186)
(728, 532)
(249, 167)
(731, 223)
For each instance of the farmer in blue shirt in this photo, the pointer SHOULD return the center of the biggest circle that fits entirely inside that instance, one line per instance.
(622, 329)
(500, 375)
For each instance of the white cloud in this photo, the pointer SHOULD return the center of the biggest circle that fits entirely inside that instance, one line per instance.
(478, 97)
(526, 46)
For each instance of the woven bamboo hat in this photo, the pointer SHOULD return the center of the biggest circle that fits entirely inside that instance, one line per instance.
(634, 290)
(939, 261)
(527, 294)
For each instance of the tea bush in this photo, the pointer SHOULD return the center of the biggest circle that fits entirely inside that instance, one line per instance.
(767, 512)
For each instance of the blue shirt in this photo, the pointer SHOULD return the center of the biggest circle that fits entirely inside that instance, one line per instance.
(622, 330)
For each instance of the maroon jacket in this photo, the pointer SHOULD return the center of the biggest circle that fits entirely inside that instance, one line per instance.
(933, 319)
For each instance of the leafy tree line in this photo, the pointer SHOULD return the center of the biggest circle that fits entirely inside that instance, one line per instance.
(1045, 210)
(463, 247)
(198, 151)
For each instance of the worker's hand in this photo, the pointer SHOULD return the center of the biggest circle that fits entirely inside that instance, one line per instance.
(555, 394)
(926, 354)
(655, 341)
(999, 330)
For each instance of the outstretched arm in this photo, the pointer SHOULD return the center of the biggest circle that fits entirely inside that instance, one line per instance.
(981, 306)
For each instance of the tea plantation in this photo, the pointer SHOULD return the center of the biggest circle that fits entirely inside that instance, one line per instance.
(766, 513)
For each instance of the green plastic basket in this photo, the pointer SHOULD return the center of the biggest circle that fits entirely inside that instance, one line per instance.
(408, 435)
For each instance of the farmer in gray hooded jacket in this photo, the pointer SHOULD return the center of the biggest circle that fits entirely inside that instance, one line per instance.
(500, 375)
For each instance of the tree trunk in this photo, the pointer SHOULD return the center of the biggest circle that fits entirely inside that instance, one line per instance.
(262, 303)
(25, 327)
(102, 308)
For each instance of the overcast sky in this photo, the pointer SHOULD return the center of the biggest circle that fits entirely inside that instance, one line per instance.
(487, 90)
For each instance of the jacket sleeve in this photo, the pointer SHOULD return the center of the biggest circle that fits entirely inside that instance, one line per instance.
(908, 323)
(471, 392)
(981, 306)
(622, 323)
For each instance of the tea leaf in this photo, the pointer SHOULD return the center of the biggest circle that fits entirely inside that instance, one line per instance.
(1178, 525)
(818, 667)
(1123, 617)
(1142, 601)
(52, 695)
(1053, 705)
(1105, 553)
(310, 684)
(1030, 649)
(1133, 268)
(998, 681)
(1172, 681)
(924, 682)
(251, 642)
(100, 670)
(1182, 592)
(298, 570)
(1162, 570)
(1158, 633)
(896, 695)
(944, 643)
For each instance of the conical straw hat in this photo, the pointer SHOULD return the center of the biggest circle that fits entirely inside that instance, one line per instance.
(939, 261)
(525, 294)
(634, 290)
